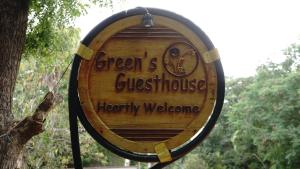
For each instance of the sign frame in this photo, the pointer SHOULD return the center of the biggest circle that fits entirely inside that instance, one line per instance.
(75, 108)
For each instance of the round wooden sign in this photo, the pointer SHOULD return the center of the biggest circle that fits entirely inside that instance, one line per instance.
(147, 80)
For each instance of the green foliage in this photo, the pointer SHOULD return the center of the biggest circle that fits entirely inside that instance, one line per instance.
(266, 121)
(91, 152)
(260, 123)
(48, 18)
(191, 161)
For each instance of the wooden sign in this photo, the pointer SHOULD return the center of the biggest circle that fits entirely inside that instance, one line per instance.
(144, 87)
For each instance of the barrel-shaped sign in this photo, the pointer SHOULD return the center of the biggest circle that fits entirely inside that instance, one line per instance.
(147, 81)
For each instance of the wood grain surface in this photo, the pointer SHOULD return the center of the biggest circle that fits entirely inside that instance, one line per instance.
(144, 86)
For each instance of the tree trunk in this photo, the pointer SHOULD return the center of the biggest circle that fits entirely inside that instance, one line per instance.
(13, 24)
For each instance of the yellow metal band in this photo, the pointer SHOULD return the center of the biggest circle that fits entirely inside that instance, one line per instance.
(85, 52)
(163, 153)
(211, 56)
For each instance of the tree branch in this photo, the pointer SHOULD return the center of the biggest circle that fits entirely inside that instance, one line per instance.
(32, 125)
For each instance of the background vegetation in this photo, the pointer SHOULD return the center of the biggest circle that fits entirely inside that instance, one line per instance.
(260, 124)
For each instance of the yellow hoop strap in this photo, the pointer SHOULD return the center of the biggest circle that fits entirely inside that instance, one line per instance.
(85, 52)
(163, 153)
(211, 56)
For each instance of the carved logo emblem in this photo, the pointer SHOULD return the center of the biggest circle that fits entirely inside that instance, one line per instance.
(180, 59)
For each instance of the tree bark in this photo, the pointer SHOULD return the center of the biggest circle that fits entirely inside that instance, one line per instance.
(13, 25)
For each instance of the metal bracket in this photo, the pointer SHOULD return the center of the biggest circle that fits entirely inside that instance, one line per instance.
(211, 56)
(85, 52)
(163, 153)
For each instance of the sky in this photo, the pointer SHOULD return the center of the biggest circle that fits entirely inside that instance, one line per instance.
(247, 33)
